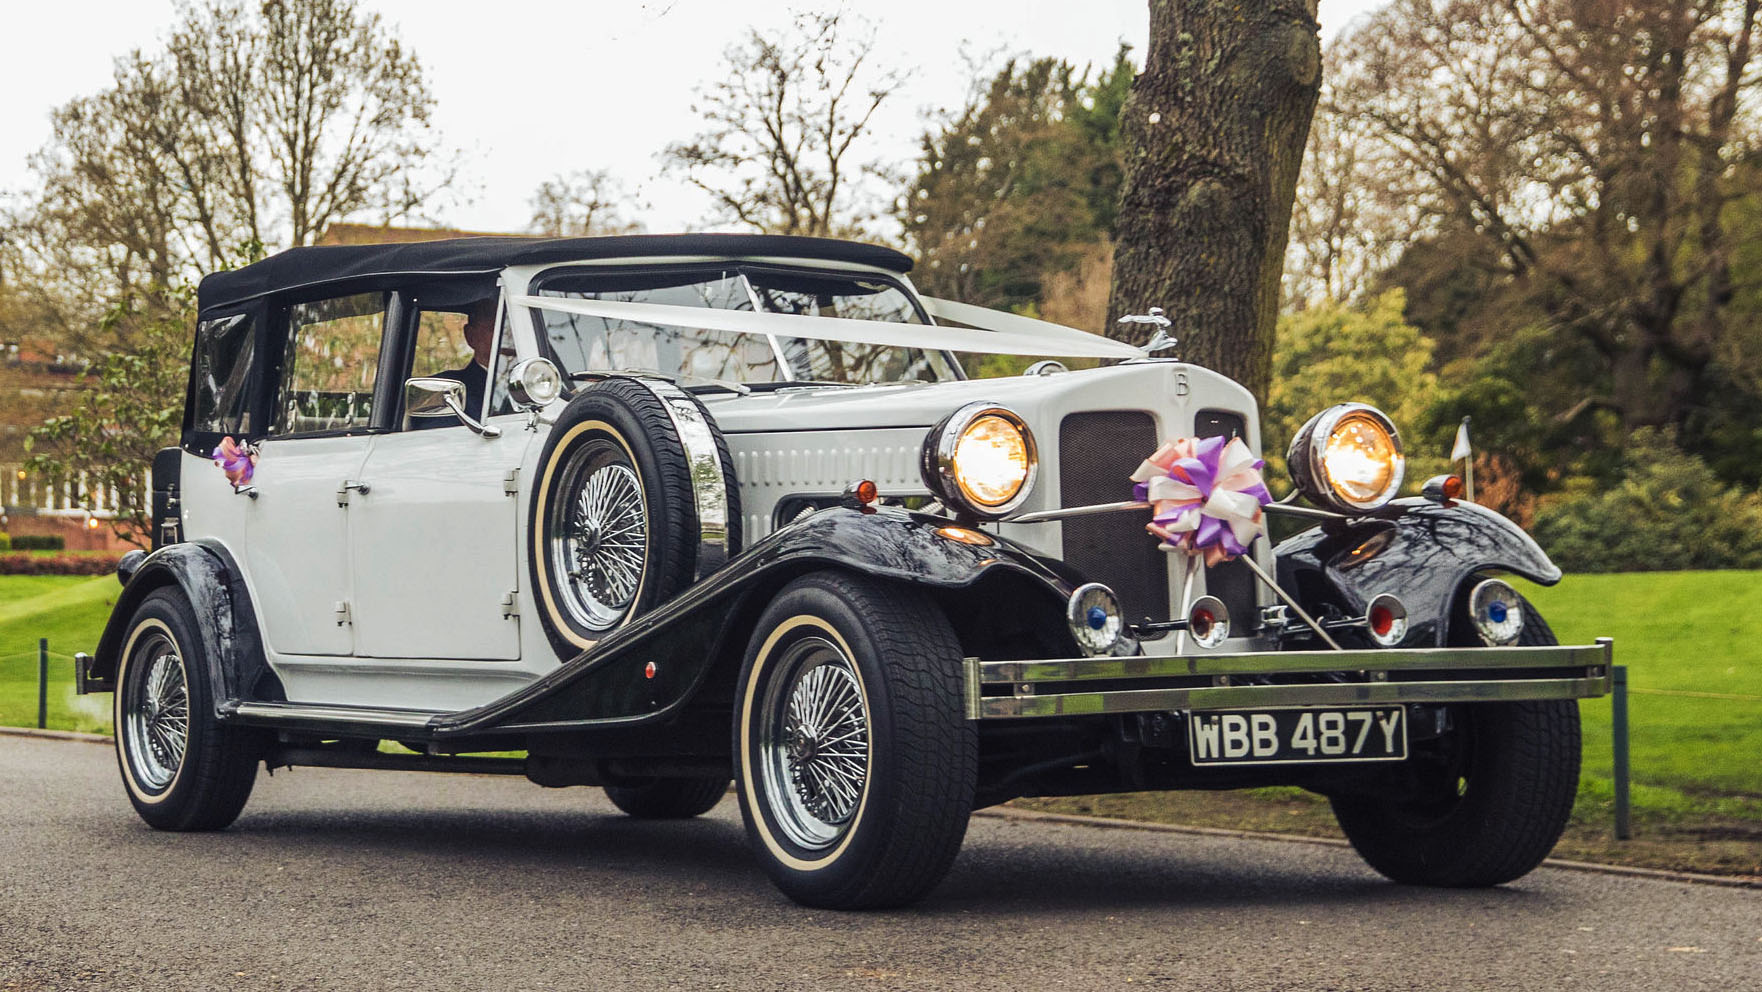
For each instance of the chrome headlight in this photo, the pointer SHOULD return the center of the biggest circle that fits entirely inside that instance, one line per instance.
(534, 382)
(1347, 458)
(981, 460)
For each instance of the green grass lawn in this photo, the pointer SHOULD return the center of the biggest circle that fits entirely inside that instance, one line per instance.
(1676, 631)
(70, 611)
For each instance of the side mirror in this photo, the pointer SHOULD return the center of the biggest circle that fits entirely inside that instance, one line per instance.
(429, 398)
(432, 398)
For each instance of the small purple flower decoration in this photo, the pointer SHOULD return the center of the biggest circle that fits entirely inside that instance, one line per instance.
(238, 460)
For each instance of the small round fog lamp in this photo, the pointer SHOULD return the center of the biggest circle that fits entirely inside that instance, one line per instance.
(1386, 620)
(1208, 620)
(1096, 621)
(1497, 612)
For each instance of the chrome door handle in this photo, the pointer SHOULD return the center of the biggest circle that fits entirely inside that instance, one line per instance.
(342, 491)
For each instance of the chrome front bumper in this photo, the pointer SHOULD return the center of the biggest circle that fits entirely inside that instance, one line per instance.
(1003, 690)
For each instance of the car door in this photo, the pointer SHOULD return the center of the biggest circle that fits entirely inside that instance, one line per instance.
(320, 429)
(434, 541)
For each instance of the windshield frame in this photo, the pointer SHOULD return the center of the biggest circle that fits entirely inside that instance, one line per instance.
(743, 268)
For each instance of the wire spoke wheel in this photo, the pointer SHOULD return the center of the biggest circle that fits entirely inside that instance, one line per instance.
(599, 534)
(815, 743)
(157, 720)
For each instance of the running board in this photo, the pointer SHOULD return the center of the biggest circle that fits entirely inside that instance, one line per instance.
(340, 721)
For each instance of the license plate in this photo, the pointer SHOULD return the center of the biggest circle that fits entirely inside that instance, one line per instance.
(1297, 736)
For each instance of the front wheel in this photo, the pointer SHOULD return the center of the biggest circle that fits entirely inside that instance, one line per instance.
(857, 763)
(1488, 801)
(182, 768)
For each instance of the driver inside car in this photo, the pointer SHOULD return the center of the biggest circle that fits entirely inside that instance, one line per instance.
(479, 330)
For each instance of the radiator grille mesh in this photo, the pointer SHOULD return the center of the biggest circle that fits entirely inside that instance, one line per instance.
(1230, 581)
(1097, 453)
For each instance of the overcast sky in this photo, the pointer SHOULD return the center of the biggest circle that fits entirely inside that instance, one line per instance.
(528, 89)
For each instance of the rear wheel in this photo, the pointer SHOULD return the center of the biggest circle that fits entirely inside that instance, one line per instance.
(857, 763)
(183, 770)
(669, 798)
(1488, 801)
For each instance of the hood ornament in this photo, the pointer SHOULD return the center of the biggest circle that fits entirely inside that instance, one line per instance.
(1162, 340)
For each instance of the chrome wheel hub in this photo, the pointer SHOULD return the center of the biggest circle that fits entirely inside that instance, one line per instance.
(599, 535)
(156, 724)
(815, 743)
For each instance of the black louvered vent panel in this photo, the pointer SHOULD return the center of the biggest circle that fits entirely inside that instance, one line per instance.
(1097, 453)
(1229, 581)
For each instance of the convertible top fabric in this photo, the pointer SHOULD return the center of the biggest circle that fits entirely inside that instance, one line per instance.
(298, 268)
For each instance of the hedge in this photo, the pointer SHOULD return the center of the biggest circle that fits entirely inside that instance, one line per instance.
(13, 563)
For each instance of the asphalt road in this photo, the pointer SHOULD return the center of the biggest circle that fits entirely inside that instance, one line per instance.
(373, 880)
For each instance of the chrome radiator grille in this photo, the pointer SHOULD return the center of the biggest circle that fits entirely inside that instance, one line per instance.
(1097, 453)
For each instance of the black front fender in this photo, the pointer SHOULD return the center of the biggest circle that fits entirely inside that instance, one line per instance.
(648, 671)
(211, 583)
(1420, 551)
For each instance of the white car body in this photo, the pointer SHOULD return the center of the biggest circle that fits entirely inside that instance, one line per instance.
(412, 593)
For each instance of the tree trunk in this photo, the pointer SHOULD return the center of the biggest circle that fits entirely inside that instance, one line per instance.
(1213, 135)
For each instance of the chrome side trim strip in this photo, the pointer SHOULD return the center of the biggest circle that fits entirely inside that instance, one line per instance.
(276, 712)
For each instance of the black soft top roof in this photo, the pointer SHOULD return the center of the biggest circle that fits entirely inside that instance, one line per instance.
(315, 266)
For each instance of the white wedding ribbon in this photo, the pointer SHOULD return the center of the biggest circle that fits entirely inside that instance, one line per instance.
(1004, 337)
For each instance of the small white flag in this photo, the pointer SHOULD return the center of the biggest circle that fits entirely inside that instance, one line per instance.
(1461, 450)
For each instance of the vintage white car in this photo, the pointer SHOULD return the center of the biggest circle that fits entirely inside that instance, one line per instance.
(666, 512)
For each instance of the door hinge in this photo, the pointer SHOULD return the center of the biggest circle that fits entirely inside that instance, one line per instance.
(511, 482)
(509, 609)
(342, 613)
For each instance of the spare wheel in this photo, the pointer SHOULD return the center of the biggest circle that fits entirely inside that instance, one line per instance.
(617, 525)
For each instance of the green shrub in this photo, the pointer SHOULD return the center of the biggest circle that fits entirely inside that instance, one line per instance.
(1670, 512)
(39, 542)
(5, 541)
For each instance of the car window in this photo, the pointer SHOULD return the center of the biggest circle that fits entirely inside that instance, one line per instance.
(332, 360)
(440, 343)
(220, 370)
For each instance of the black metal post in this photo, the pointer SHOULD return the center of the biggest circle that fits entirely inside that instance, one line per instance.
(1623, 824)
(42, 683)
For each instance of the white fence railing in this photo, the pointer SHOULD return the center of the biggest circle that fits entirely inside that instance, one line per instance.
(29, 492)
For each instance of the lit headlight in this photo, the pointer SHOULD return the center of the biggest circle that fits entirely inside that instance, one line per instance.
(980, 459)
(1348, 458)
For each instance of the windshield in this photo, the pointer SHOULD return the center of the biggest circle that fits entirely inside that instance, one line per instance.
(602, 344)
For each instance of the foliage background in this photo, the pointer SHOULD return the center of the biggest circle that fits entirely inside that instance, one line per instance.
(1502, 215)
